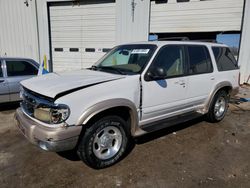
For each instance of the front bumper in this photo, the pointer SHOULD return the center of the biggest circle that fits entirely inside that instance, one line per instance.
(50, 139)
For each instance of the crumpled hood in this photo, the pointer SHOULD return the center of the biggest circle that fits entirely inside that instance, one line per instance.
(54, 84)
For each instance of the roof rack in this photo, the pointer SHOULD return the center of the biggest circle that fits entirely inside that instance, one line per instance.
(187, 39)
(206, 40)
(173, 38)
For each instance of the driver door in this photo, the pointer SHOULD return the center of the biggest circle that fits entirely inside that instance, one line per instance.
(162, 98)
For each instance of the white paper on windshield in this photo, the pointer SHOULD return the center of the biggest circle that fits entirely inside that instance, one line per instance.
(140, 51)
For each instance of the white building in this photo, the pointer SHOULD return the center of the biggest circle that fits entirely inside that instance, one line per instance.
(75, 34)
(244, 56)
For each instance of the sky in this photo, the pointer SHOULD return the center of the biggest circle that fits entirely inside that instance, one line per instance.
(231, 40)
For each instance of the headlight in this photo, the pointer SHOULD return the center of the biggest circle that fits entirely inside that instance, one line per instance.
(53, 115)
(59, 114)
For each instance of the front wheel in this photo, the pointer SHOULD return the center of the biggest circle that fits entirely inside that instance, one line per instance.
(219, 106)
(105, 142)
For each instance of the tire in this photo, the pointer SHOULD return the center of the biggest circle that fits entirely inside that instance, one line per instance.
(218, 107)
(105, 142)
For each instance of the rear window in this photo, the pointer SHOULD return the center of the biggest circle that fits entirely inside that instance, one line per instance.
(20, 68)
(224, 59)
(1, 71)
(199, 60)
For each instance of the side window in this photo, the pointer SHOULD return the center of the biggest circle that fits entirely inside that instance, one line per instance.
(171, 58)
(20, 68)
(199, 60)
(1, 70)
(224, 59)
(160, 1)
(182, 1)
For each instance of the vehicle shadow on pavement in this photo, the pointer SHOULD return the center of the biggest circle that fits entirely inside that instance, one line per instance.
(168, 130)
(9, 106)
(72, 154)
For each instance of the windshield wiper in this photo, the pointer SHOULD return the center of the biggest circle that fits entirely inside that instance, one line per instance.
(93, 67)
(108, 68)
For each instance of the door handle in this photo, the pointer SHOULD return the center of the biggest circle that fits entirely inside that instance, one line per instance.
(1, 81)
(181, 82)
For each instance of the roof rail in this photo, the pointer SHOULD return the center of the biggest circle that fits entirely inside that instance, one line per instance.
(173, 38)
(205, 40)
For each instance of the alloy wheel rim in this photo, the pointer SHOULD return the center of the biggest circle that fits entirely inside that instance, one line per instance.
(107, 142)
(220, 107)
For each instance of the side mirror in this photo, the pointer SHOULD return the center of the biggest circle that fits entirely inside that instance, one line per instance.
(156, 73)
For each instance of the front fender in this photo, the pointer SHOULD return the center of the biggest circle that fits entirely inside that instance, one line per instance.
(107, 104)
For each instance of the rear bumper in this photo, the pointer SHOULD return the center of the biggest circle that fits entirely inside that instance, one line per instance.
(50, 139)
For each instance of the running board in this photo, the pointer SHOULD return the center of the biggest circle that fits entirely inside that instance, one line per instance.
(170, 121)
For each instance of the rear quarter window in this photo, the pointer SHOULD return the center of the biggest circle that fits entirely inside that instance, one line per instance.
(224, 59)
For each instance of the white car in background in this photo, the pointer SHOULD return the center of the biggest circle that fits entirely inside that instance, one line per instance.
(133, 90)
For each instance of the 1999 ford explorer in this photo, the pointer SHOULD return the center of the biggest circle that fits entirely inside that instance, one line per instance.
(133, 90)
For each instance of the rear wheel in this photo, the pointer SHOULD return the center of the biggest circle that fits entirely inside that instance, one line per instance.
(105, 142)
(219, 106)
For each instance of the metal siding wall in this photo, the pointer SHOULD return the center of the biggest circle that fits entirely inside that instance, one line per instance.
(18, 34)
(43, 29)
(196, 16)
(127, 29)
(244, 56)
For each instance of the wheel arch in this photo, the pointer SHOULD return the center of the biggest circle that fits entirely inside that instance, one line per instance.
(112, 105)
(225, 85)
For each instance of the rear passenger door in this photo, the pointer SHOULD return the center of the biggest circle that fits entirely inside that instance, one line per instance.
(4, 89)
(200, 75)
(18, 70)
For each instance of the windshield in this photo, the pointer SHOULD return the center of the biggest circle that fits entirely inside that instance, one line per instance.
(126, 59)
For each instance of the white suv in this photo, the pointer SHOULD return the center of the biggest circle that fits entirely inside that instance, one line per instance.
(133, 90)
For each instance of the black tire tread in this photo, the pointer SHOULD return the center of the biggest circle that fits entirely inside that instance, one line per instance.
(84, 147)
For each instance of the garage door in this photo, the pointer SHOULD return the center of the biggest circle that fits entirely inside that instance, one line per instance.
(81, 34)
(195, 16)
